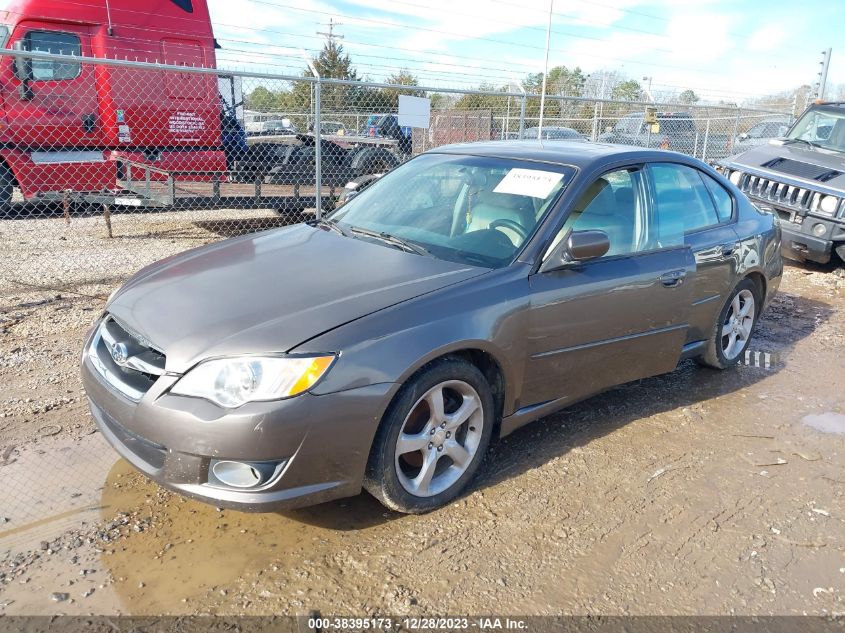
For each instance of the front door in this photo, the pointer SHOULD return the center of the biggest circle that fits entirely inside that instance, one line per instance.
(613, 319)
(60, 108)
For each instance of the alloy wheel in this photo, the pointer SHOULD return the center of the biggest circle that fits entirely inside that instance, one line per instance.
(736, 330)
(439, 438)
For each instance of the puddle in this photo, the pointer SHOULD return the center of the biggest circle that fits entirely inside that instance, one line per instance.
(51, 486)
(828, 422)
(192, 551)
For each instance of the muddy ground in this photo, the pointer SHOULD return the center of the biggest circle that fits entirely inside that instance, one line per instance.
(697, 492)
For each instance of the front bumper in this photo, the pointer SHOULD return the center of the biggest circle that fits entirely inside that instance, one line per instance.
(805, 240)
(324, 440)
(802, 237)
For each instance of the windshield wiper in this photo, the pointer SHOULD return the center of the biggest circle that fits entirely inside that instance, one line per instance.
(331, 225)
(802, 140)
(406, 245)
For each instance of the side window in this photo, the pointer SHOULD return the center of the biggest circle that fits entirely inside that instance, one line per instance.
(682, 200)
(612, 204)
(53, 42)
(724, 201)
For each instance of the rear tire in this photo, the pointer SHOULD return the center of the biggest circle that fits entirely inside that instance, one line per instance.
(731, 334)
(432, 438)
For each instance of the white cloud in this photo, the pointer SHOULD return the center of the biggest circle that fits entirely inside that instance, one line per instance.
(767, 38)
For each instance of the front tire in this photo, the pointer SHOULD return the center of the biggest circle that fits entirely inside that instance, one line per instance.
(732, 332)
(432, 438)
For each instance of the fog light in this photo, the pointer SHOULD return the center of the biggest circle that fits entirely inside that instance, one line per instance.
(243, 474)
(819, 229)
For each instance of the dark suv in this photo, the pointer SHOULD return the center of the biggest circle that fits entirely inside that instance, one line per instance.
(801, 177)
(677, 132)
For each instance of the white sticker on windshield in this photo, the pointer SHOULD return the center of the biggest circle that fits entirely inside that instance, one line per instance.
(529, 182)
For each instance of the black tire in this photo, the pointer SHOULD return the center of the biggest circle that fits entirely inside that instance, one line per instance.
(382, 479)
(7, 184)
(714, 355)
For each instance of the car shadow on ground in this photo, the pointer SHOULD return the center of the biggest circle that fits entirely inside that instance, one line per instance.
(789, 319)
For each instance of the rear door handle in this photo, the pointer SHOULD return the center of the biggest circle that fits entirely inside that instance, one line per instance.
(673, 278)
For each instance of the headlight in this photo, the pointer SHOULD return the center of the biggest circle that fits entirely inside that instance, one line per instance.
(828, 204)
(735, 177)
(231, 382)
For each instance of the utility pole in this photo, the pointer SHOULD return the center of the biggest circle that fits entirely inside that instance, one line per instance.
(825, 64)
(330, 36)
(545, 72)
(649, 79)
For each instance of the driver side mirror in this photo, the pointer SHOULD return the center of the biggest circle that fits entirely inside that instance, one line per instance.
(23, 65)
(743, 136)
(579, 246)
(23, 71)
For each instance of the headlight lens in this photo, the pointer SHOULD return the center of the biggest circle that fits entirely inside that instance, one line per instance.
(231, 382)
(735, 177)
(828, 204)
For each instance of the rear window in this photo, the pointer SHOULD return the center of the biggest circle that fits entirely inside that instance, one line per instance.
(676, 126)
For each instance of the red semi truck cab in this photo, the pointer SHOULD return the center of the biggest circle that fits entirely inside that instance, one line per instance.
(66, 125)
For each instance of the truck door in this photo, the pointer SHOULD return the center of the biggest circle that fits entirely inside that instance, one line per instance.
(57, 106)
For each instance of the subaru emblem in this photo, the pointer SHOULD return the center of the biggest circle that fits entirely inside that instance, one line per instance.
(119, 353)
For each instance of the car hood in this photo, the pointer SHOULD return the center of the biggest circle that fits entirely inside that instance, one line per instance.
(802, 160)
(270, 292)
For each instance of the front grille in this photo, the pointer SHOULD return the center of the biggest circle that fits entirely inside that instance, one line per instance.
(779, 193)
(125, 360)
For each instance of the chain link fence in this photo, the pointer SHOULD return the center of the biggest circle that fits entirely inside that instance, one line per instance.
(109, 165)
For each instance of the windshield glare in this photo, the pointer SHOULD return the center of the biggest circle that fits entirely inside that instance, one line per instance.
(824, 128)
(468, 209)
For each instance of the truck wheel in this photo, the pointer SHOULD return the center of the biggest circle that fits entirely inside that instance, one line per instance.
(374, 160)
(840, 250)
(731, 334)
(7, 184)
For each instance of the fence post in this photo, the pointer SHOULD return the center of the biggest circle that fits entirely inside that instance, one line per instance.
(706, 140)
(736, 124)
(522, 116)
(318, 155)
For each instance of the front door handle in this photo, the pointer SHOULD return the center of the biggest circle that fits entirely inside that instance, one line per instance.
(673, 278)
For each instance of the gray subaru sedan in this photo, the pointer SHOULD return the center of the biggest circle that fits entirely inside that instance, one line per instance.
(468, 292)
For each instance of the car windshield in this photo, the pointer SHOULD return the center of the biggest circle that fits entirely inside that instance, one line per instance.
(821, 127)
(468, 209)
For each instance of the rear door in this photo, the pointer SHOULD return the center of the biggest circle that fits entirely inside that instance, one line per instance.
(616, 318)
(60, 108)
(693, 207)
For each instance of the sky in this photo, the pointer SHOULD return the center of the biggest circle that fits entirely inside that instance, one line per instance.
(731, 50)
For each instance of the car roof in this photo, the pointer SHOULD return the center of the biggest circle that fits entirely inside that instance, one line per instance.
(561, 152)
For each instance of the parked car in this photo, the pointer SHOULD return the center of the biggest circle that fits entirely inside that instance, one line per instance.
(276, 127)
(553, 133)
(760, 133)
(333, 128)
(677, 132)
(469, 291)
(801, 178)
